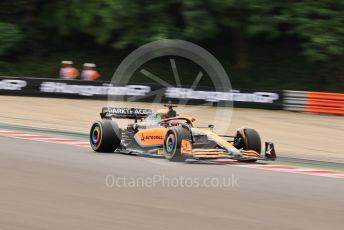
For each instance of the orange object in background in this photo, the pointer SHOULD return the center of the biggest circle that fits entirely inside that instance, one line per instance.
(69, 73)
(328, 96)
(89, 73)
(331, 103)
(67, 70)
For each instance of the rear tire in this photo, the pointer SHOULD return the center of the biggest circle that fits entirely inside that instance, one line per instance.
(173, 143)
(105, 136)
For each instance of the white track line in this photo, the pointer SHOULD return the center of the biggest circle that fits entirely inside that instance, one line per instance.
(86, 144)
(43, 138)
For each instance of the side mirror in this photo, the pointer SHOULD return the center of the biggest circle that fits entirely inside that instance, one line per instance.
(211, 126)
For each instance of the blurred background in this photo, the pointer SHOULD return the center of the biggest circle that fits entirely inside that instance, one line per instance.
(278, 55)
(262, 44)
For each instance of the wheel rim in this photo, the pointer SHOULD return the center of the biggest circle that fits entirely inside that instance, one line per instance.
(95, 136)
(170, 143)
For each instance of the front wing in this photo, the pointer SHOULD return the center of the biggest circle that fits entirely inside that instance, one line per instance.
(208, 154)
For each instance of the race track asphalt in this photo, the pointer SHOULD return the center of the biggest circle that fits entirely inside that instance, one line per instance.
(55, 186)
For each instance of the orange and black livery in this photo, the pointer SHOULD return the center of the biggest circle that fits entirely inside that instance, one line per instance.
(174, 137)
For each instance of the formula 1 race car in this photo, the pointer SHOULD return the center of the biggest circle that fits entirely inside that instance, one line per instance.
(166, 134)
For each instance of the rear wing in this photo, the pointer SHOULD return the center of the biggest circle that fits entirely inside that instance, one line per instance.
(125, 113)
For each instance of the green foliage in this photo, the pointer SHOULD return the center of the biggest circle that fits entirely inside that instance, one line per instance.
(117, 23)
(317, 25)
(321, 25)
(10, 35)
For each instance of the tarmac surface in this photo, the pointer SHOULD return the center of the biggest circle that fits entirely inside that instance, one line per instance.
(56, 186)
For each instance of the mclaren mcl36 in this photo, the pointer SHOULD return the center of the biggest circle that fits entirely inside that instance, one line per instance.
(166, 134)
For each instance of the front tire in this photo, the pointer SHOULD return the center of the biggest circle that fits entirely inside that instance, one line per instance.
(105, 136)
(173, 143)
(248, 139)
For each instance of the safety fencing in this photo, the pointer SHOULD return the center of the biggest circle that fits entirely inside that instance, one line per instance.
(45, 87)
(314, 102)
